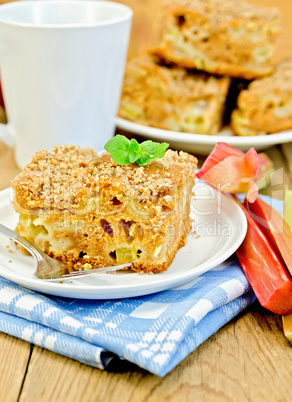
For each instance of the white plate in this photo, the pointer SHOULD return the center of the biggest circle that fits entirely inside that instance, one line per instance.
(203, 144)
(219, 222)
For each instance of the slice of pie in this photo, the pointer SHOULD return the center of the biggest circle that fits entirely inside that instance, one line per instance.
(172, 98)
(229, 37)
(265, 107)
(87, 211)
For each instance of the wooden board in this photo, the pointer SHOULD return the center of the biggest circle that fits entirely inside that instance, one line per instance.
(14, 360)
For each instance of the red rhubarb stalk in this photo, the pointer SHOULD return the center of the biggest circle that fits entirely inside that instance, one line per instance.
(231, 170)
(264, 270)
(275, 228)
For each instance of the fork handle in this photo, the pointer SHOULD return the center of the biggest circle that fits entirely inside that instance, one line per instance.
(35, 251)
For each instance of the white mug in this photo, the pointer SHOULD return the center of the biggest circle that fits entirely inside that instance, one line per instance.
(62, 66)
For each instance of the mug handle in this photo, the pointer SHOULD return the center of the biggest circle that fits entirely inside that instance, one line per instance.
(7, 135)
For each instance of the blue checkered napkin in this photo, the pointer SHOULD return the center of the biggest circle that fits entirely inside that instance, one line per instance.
(156, 332)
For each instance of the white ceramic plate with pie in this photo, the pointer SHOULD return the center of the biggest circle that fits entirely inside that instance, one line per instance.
(219, 229)
(203, 144)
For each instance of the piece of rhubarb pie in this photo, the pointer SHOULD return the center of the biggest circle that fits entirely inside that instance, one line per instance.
(265, 107)
(84, 209)
(228, 37)
(172, 98)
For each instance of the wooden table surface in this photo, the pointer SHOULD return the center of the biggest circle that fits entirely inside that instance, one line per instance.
(249, 359)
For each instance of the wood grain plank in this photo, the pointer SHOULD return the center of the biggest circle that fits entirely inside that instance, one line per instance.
(54, 377)
(14, 358)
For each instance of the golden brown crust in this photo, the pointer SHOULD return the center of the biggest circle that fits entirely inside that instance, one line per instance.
(222, 37)
(86, 210)
(172, 98)
(69, 176)
(265, 107)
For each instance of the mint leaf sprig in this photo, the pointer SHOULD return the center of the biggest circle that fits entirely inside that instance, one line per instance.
(124, 151)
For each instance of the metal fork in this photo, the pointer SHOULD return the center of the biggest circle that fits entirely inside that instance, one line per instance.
(49, 269)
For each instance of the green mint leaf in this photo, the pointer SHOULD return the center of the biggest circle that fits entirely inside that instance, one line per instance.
(150, 150)
(124, 151)
(133, 150)
(143, 160)
(118, 148)
(133, 157)
(134, 146)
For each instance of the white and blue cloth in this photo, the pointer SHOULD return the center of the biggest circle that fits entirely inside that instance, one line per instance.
(155, 332)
